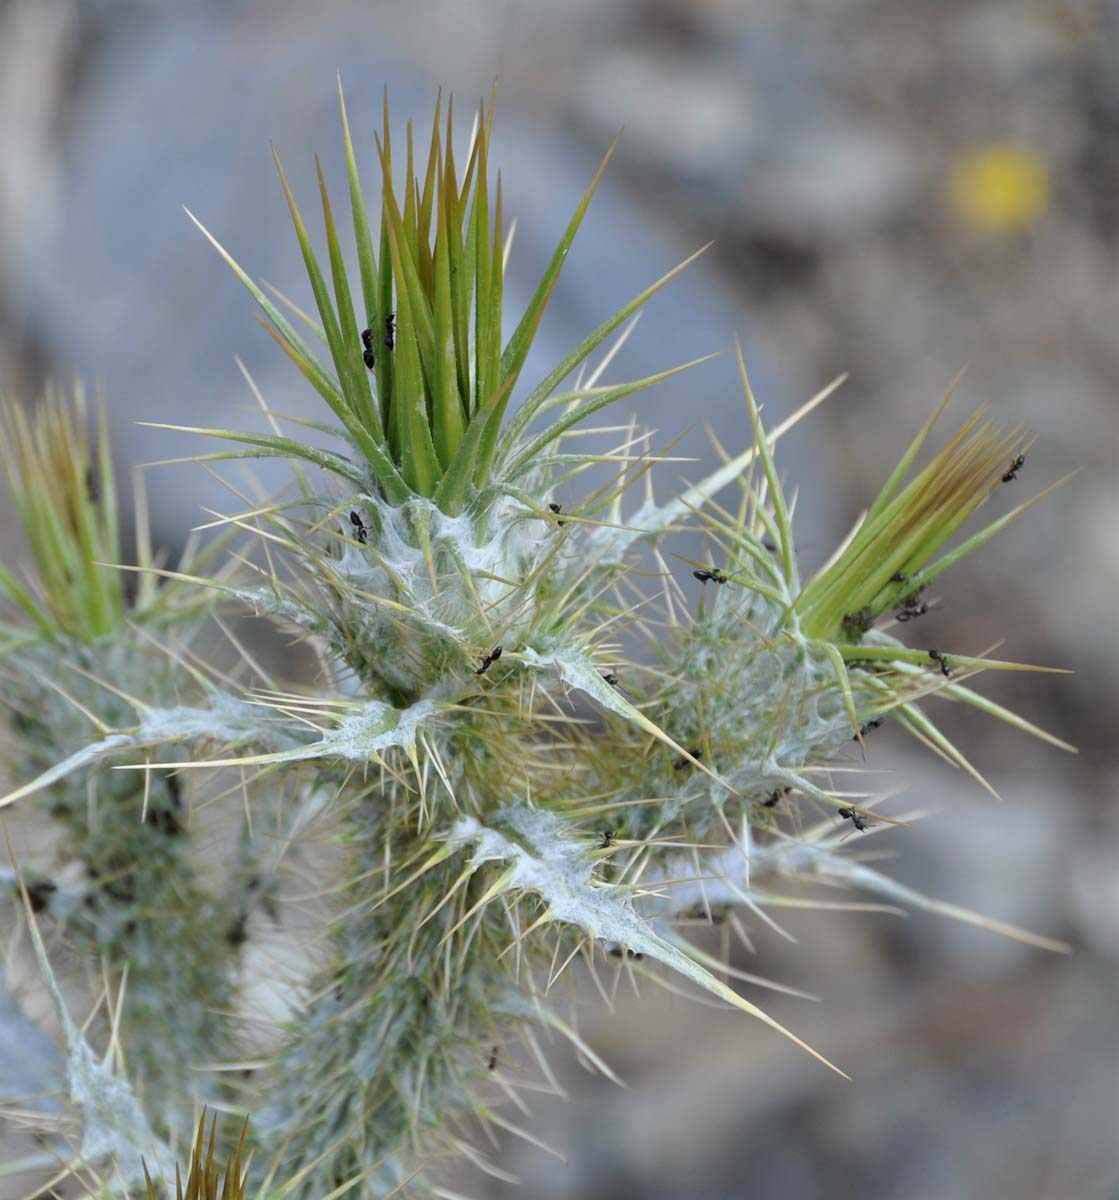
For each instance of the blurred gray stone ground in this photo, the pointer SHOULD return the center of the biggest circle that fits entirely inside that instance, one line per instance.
(815, 142)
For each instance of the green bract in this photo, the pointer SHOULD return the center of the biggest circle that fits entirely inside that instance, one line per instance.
(421, 379)
(65, 494)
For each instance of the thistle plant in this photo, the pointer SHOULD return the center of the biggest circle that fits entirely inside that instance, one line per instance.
(529, 748)
(75, 648)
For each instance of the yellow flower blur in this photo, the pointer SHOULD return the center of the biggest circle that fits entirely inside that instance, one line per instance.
(999, 188)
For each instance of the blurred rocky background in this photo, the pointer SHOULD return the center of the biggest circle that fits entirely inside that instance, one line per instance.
(896, 190)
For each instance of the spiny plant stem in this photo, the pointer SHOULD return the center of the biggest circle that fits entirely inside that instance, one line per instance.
(138, 908)
(511, 790)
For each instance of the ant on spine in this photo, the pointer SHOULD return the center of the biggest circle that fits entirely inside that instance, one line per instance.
(557, 509)
(711, 574)
(488, 660)
(390, 331)
(611, 678)
(856, 818)
(368, 355)
(1015, 466)
(606, 839)
(865, 729)
(772, 800)
(361, 533)
(683, 762)
(937, 657)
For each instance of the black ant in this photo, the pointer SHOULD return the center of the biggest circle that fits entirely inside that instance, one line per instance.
(491, 1064)
(616, 951)
(865, 729)
(488, 660)
(856, 818)
(361, 532)
(856, 624)
(682, 762)
(701, 911)
(712, 574)
(165, 820)
(39, 892)
(236, 935)
(937, 657)
(899, 577)
(606, 839)
(772, 800)
(390, 332)
(174, 790)
(1015, 467)
(911, 610)
(610, 678)
(368, 354)
(912, 606)
(557, 509)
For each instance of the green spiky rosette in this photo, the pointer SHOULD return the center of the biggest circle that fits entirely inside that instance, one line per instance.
(421, 384)
(205, 1179)
(507, 791)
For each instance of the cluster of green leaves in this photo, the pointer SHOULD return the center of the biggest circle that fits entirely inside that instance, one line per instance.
(65, 495)
(204, 1174)
(421, 386)
(891, 556)
(845, 611)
